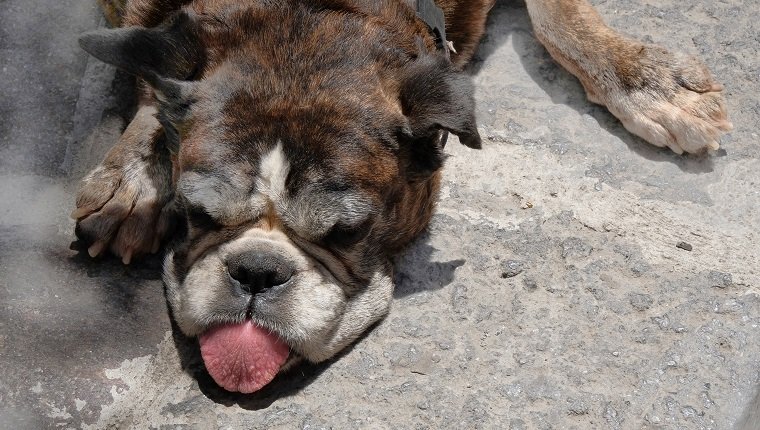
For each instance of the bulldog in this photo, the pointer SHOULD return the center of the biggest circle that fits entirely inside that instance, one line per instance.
(289, 149)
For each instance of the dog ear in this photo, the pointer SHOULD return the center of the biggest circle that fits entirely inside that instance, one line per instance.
(436, 97)
(165, 56)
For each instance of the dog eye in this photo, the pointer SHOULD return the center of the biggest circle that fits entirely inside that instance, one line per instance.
(200, 219)
(343, 236)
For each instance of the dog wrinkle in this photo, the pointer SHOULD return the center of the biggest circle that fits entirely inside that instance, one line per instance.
(325, 262)
(360, 313)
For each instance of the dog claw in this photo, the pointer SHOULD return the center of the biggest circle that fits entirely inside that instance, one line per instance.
(95, 249)
(451, 46)
(79, 213)
(127, 257)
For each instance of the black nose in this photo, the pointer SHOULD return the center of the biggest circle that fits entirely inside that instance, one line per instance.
(258, 271)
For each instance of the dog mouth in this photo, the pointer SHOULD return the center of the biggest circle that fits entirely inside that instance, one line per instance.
(243, 357)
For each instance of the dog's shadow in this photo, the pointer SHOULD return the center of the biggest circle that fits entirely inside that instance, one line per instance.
(284, 385)
(121, 285)
(510, 19)
(415, 270)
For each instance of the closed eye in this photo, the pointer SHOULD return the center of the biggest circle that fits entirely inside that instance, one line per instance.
(200, 219)
(343, 236)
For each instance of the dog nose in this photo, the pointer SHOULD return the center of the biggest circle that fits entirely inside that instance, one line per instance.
(257, 271)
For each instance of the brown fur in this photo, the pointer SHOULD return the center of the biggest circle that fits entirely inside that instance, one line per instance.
(466, 19)
(465, 25)
(387, 25)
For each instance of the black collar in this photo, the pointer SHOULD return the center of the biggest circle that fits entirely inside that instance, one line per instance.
(433, 16)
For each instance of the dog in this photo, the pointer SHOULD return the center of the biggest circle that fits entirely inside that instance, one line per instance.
(291, 148)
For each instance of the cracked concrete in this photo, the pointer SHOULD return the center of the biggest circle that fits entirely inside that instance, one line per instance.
(549, 292)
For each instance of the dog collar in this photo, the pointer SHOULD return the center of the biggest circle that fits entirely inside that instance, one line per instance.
(433, 17)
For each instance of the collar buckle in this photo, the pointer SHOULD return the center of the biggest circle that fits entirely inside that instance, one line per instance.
(432, 15)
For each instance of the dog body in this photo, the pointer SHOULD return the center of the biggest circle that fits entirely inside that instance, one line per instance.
(299, 144)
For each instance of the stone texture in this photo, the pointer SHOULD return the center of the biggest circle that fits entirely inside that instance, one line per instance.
(608, 325)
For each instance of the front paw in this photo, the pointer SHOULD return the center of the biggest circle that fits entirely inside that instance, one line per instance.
(125, 205)
(670, 100)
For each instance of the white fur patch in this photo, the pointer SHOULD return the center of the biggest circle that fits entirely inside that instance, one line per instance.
(273, 170)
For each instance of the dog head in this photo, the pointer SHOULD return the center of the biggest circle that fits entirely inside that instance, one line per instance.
(308, 140)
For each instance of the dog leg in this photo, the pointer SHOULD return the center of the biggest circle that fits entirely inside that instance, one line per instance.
(669, 99)
(124, 203)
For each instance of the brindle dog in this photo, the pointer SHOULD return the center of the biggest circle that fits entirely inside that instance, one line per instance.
(299, 143)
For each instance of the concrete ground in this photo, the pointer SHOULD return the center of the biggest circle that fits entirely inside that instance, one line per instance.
(548, 293)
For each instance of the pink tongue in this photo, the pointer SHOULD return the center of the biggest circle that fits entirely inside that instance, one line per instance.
(242, 357)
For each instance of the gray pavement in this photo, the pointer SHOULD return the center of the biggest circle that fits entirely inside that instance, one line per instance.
(548, 293)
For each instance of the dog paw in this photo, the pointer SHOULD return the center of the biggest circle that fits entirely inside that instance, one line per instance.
(670, 100)
(124, 205)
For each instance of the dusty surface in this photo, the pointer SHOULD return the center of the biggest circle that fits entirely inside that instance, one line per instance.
(549, 292)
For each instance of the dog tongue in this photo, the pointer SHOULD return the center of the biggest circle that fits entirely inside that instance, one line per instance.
(242, 357)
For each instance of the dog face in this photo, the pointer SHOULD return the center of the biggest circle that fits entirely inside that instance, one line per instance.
(307, 143)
